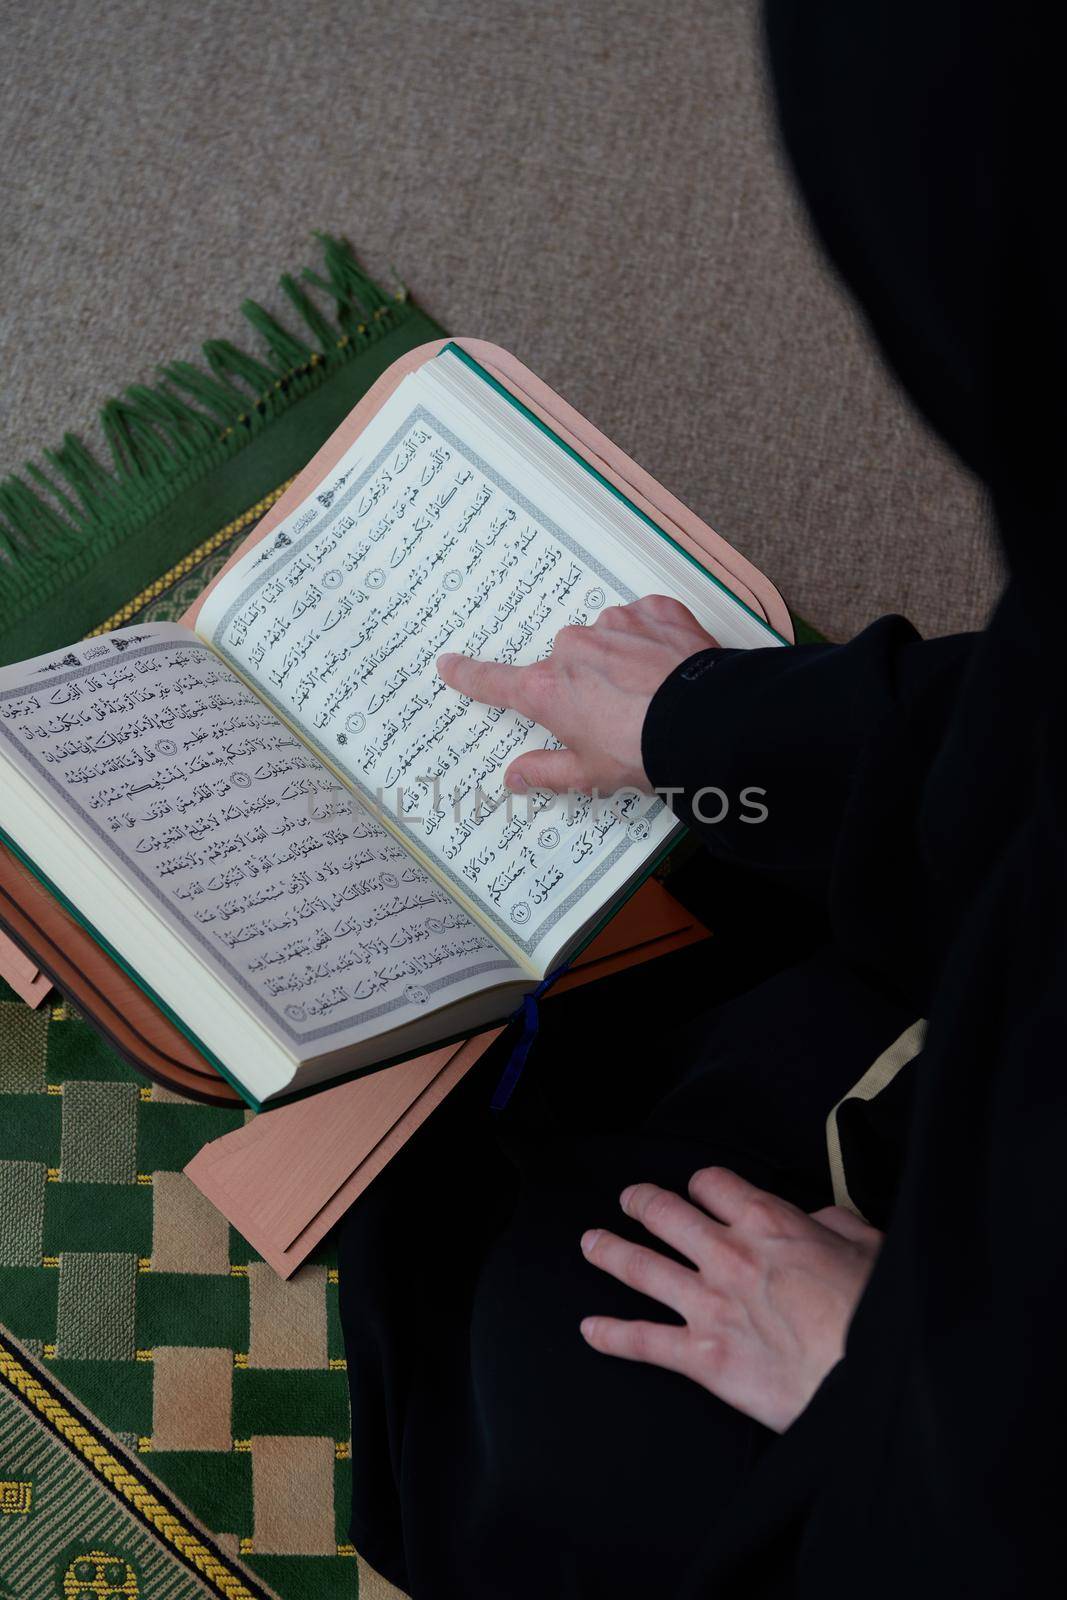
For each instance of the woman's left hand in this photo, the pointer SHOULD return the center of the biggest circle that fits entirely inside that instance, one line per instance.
(767, 1301)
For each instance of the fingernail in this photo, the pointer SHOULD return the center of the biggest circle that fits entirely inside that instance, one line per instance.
(588, 1326)
(624, 1198)
(516, 782)
(589, 1240)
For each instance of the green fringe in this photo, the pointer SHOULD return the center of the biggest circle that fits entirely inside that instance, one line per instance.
(190, 421)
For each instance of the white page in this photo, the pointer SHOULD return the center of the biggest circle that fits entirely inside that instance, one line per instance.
(242, 842)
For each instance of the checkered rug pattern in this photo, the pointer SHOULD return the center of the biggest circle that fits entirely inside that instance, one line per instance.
(155, 1314)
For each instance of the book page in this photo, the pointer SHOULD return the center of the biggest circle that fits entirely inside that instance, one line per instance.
(419, 543)
(239, 838)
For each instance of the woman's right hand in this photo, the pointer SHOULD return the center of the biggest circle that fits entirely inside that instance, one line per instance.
(592, 693)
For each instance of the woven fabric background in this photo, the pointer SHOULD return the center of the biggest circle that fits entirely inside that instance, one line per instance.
(157, 1316)
(592, 183)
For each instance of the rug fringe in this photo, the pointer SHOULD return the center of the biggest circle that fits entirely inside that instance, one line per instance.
(192, 419)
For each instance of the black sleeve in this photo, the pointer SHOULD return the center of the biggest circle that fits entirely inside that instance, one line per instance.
(806, 766)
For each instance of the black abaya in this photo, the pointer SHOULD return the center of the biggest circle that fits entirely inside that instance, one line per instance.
(496, 1453)
(917, 796)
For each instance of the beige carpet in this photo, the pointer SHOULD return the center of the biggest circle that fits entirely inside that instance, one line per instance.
(592, 184)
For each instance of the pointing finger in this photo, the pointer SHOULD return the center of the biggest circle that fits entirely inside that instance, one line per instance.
(492, 683)
(558, 771)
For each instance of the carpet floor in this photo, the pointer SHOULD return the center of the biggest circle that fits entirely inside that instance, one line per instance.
(594, 185)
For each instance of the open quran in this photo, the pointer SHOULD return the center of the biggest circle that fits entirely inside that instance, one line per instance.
(280, 821)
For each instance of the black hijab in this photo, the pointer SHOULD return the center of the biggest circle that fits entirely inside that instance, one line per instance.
(921, 134)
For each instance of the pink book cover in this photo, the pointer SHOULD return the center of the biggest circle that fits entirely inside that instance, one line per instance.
(287, 1176)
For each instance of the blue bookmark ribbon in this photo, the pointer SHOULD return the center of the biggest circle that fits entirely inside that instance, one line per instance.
(530, 1012)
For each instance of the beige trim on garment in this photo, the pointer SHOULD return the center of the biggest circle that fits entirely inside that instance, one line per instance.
(874, 1080)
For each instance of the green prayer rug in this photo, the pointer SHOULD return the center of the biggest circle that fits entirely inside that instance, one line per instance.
(134, 1293)
(81, 1518)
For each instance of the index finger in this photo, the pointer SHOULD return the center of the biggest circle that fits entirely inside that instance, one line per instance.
(493, 683)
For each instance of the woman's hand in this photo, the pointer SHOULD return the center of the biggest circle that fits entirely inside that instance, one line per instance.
(592, 693)
(767, 1302)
